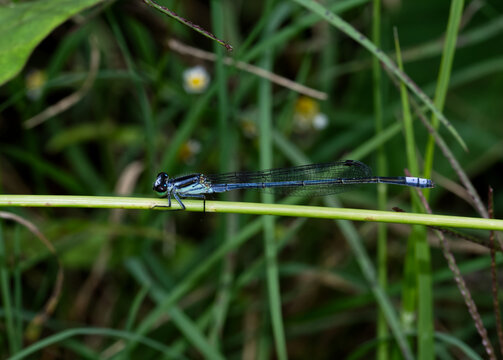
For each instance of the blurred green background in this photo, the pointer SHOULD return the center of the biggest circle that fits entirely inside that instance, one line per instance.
(104, 103)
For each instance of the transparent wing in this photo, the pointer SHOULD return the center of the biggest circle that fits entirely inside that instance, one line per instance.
(347, 169)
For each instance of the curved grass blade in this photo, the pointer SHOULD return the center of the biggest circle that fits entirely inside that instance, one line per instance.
(349, 30)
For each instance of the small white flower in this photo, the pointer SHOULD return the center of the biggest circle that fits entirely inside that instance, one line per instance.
(307, 115)
(196, 80)
(320, 121)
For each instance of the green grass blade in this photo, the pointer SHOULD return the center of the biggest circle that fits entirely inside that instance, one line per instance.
(227, 145)
(444, 75)
(266, 162)
(201, 270)
(382, 168)
(194, 335)
(368, 270)
(282, 36)
(345, 27)
(146, 110)
(418, 282)
(18, 287)
(7, 297)
(68, 334)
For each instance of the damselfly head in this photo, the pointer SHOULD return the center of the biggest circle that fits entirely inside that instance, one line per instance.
(161, 184)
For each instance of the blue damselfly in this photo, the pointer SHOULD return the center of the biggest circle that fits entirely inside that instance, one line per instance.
(314, 179)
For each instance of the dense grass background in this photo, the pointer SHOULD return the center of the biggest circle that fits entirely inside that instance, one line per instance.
(186, 285)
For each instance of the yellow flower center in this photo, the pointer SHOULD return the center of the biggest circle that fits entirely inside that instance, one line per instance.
(306, 107)
(196, 82)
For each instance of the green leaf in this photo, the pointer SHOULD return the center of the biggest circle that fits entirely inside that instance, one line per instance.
(26, 24)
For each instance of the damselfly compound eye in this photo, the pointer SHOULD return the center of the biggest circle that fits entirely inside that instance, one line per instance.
(161, 184)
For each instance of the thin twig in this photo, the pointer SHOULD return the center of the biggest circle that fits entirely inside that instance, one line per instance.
(190, 24)
(463, 289)
(279, 80)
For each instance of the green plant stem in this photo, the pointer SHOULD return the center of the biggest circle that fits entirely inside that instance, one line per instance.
(111, 202)
(444, 76)
(418, 286)
(227, 148)
(407, 117)
(6, 297)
